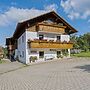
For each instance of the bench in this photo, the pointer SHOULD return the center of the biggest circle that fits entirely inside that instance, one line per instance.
(49, 57)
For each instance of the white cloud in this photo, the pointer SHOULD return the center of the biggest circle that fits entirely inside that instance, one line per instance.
(76, 8)
(89, 21)
(13, 3)
(51, 7)
(73, 15)
(18, 15)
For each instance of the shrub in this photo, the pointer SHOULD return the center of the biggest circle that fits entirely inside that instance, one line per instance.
(58, 56)
(33, 58)
(0, 60)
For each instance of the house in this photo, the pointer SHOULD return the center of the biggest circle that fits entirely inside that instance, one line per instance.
(45, 37)
(1, 52)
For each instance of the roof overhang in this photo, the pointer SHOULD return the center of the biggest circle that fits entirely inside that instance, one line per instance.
(23, 25)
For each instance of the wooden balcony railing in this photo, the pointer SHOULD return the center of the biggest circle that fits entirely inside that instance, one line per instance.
(50, 28)
(50, 44)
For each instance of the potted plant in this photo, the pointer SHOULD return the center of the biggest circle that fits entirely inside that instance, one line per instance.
(33, 59)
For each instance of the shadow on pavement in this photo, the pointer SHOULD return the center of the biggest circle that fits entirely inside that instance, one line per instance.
(85, 68)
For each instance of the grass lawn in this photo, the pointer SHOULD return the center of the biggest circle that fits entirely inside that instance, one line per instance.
(82, 54)
(2, 61)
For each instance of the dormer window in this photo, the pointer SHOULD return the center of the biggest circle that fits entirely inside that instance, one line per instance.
(60, 24)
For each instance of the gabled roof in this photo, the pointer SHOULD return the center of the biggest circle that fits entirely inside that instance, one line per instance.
(21, 26)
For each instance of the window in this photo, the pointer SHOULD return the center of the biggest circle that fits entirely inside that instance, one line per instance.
(19, 53)
(22, 53)
(41, 54)
(41, 37)
(58, 52)
(59, 38)
(22, 39)
(33, 52)
(19, 41)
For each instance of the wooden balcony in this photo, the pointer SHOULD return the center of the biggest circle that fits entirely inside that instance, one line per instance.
(50, 28)
(49, 44)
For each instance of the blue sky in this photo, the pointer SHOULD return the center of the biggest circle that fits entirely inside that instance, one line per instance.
(75, 12)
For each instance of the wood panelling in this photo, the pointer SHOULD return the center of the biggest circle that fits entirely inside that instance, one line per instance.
(32, 29)
(52, 29)
(11, 47)
(47, 44)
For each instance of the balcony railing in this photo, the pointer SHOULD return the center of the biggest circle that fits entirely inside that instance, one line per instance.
(50, 28)
(49, 44)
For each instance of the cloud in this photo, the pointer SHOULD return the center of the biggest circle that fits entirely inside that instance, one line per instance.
(51, 7)
(18, 15)
(73, 15)
(76, 9)
(13, 3)
(89, 21)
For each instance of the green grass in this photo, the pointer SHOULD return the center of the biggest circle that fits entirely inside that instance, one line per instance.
(82, 54)
(2, 61)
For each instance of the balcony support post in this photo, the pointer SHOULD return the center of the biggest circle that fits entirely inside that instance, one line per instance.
(61, 53)
(69, 53)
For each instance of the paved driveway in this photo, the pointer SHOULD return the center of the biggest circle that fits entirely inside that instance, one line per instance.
(73, 74)
(10, 66)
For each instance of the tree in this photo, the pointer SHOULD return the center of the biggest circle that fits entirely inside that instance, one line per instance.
(82, 42)
(5, 52)
(74, 39)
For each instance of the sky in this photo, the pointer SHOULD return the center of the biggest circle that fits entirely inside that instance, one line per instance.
(75, 12)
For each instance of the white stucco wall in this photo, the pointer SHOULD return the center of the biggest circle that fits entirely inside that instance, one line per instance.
(22, 48)
(51, 36)
(65, 38)
(48, 36)
(49, 53)
(31, 36)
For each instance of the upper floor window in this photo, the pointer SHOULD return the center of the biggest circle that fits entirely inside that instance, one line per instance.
(19, 41)
(41, 37)
(59, 38)
(22, 39)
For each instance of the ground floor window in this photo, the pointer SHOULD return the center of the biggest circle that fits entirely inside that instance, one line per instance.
(58, 54)
(41, 54)
(22, 53)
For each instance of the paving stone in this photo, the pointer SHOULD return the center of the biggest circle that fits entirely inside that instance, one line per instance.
(73, 74)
